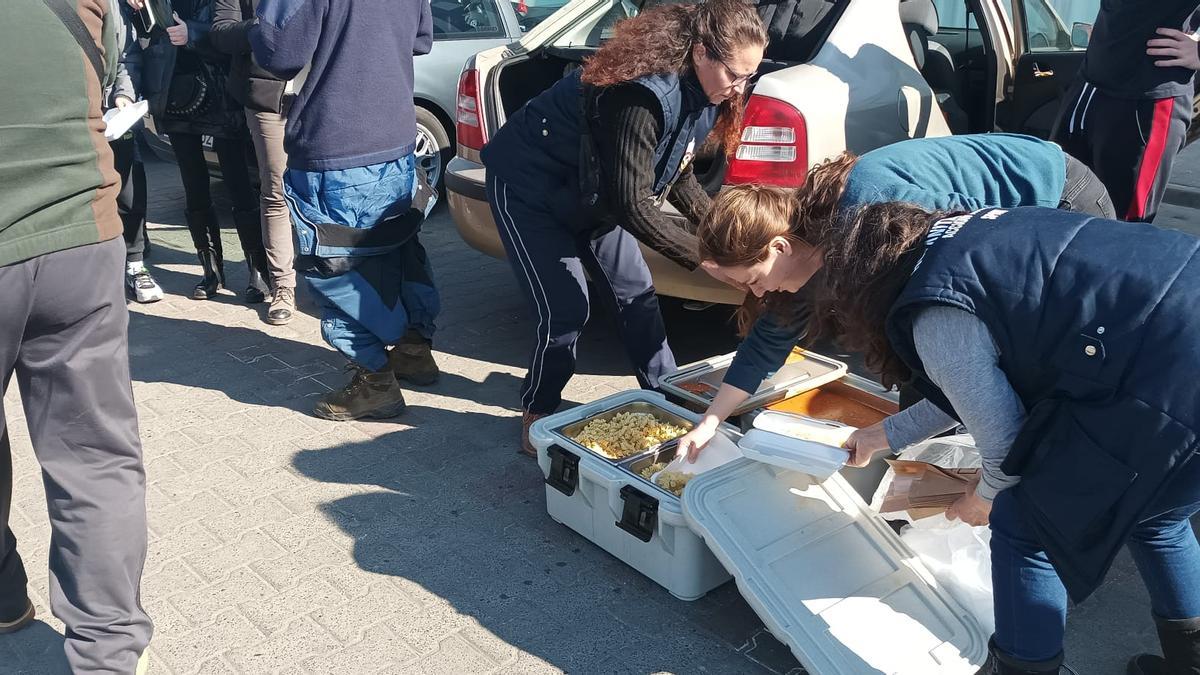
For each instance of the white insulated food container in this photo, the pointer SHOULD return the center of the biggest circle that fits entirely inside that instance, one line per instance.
(606, 501)
(826, 575)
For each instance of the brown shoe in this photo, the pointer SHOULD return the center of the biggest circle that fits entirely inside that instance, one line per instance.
(372, 395)
(412, 360)
(527, 420)
(283, 305)
(14, 625)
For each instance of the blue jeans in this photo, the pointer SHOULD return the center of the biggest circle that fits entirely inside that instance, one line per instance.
(1030, 601)
(386, 290)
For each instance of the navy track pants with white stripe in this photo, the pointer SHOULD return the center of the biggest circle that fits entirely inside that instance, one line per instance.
(549, 261)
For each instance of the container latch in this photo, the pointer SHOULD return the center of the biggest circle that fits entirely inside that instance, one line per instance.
(564, 470)
(640, 513)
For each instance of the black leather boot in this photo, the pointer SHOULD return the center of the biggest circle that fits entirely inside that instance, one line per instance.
(257, 288)
(999, 663)
(214, 275)
(206, 237)
(1180, 641)
(249, 229)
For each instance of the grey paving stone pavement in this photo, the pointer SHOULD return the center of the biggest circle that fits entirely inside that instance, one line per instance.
(281, 543)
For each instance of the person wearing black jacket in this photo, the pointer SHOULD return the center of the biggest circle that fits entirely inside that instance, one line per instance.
(650, 96)
(265, 98)
(184, 81)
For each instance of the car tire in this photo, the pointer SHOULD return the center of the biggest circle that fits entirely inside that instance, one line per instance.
(433, 147)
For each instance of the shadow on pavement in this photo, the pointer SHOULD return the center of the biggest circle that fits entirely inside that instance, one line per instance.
(461, 517)
(34, 650)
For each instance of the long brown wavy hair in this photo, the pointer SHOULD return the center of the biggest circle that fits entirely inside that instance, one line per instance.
(660, 41)
(869, 255)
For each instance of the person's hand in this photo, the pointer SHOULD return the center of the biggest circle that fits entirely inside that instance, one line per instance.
(122, 102)
(179, 32)
(970, 509)
(865, 444)
(1175, 48)
(693, 442)
(136, 4)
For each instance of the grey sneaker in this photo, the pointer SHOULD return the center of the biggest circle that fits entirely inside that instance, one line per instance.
(369, 394)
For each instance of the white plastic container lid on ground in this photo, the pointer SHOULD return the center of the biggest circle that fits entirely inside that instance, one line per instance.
(829, 578)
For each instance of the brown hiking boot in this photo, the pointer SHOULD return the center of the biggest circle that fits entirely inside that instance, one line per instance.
(527, 420)
(412, 360)
(368, 395)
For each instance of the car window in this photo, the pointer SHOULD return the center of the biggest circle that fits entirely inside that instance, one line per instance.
(532, 12)
(953, 15)
(465, 19)
(1048, 23)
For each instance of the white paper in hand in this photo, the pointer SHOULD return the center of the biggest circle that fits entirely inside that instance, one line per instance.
(119, 120)
(720, 450)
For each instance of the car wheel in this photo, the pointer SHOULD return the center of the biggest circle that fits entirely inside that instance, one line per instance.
(433, 147)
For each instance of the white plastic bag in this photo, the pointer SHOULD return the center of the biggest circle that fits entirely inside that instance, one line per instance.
(958, 555)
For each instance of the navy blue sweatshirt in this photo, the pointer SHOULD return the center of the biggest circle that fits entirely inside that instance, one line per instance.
(356, 106)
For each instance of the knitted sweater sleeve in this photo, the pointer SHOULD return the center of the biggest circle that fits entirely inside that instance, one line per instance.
(630, 125)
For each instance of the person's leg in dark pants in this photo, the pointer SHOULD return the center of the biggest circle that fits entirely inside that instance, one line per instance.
(1084, 192)
(1030, 602)
(1167, 555)
(544, 258)
(543, 254)
(620, 274)
(70, 353)
(1130, 144)
(201, 217)
(231, 154)
(131, 206)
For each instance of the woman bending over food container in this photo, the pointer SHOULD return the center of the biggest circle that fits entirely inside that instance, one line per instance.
(571, 196)
(1067, 345)
(950, 173)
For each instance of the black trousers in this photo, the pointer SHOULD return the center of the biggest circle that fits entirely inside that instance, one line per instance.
(193, 170)
(1129, 143)
(549, 261)
(131, 200)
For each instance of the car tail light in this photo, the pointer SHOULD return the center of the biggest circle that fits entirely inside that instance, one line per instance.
(774, 145)
(469, 125)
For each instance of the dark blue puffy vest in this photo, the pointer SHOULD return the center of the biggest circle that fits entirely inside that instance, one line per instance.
(537, 150)
(1098, 331)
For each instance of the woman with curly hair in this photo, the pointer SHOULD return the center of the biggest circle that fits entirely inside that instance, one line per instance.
(1068, 347)
(577, 177)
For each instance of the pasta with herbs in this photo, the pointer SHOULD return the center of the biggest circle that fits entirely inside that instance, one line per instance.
(671, 481)
(626, 434)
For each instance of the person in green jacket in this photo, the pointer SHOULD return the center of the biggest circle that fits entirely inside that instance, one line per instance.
(64, 332)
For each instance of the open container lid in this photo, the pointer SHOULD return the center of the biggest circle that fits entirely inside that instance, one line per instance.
(810, 457)
(827, 577)
(698, 383)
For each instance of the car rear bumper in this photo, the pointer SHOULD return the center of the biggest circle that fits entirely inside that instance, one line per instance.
(472, 215)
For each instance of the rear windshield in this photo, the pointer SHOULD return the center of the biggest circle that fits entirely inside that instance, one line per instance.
(796, 27)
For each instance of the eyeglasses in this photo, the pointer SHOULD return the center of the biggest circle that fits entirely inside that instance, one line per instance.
(734, 78)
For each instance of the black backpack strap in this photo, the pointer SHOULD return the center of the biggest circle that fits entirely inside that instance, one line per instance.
(66, 13)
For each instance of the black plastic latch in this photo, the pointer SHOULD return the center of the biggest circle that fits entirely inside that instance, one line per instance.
(564, 470)
(640, 514)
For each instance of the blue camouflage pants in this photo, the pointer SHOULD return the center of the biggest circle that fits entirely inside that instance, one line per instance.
(385, 290)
